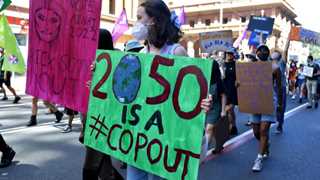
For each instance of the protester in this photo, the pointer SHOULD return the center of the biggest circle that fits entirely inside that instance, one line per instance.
(229, 83)
(301, 83)
(217, 111)
(161, 31)
(33, 118)
(7, 153)
(277, 58)
(5, 78)
(97, 164)
(71, 113)
(261, 122)
(312, 83)
(293, 68)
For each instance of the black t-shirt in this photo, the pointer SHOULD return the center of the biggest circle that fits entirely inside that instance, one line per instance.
(229, 82)
(216, 78)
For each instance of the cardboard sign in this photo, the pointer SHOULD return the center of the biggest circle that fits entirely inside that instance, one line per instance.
(305, 35)
(13, 61)
(261, 24)
(62, 45)
(255, 94)
(308, 71)
(143, 107)
(216, 41)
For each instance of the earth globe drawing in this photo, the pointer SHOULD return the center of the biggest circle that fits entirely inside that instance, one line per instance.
(127, 79)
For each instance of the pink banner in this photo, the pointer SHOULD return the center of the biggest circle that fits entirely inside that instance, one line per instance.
(121, 26)
(63, 38)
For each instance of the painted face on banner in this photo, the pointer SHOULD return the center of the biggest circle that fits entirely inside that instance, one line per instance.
(47, 24)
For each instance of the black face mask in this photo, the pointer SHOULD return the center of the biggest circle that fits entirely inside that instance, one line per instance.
(263, 56)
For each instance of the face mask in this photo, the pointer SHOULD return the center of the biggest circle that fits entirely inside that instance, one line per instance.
(140, 31)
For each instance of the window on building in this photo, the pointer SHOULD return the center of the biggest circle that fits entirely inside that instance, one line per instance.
(112, 6)
(243, 19)
(225, 20)
(208, 22)
(21, 39)
(192, 23)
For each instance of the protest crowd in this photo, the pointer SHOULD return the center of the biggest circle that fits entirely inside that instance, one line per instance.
(157, 33)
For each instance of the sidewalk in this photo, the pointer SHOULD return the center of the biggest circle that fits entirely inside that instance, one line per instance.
(19, 83)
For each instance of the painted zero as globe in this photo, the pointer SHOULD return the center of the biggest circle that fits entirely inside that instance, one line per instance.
(127, 79)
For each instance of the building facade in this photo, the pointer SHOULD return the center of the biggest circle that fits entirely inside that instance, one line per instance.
(216, 15)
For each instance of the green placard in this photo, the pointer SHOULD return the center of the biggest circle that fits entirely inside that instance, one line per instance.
(4, 4)
(145, 110)
(13, 57)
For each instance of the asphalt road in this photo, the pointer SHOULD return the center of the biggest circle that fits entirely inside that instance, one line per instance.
(44, 153)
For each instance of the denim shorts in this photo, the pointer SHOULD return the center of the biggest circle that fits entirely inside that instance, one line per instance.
(258, 118)
(138, 174)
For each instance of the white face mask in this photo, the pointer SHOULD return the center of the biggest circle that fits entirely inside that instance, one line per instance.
(140, 31)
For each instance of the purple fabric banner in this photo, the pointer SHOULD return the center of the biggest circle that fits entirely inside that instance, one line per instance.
(121, 26)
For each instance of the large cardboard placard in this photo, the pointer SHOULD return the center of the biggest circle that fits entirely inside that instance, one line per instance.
(145, 110)
(255, 93)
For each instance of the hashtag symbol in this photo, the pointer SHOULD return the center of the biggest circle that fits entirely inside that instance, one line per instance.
(97, 123)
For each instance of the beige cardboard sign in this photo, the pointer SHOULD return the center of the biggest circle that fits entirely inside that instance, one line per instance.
(255, 93)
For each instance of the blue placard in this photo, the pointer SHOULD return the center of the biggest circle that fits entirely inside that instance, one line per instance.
(254, 39)
(261, 24)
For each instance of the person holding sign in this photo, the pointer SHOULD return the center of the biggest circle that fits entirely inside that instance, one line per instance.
(5, 78)
(229, 83)
(217, 111)
(312, 83)
(161, 31)
(277, 58)
(293, 69)
(261, 122)
(301, 82)
(98, 165)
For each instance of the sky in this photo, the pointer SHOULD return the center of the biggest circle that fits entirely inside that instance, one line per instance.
(308, 13)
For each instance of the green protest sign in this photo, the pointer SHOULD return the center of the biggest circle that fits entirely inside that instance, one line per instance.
(4, 4)
(13, 57)
(145, 110)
